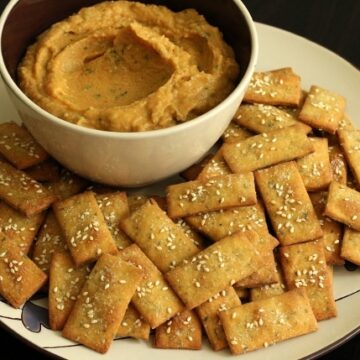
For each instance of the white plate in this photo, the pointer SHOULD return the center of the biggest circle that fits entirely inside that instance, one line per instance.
(316, 65)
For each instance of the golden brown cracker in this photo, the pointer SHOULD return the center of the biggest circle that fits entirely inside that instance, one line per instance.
(350, 248)
(338, 164)
(234, 133)
(288, 204)
(346, 123)
(192, 172)
(194, 236)
(215, 167)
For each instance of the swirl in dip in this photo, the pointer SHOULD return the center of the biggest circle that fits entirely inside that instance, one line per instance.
(127, 66)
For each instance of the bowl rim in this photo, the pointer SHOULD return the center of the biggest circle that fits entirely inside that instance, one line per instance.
(172, 130)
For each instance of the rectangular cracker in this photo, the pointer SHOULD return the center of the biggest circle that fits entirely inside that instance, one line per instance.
(264, 150)
(343, 205)
(267, 291)
(215, 167)
(163, 242)
(209, 315)
(191, 233)
(304, 266)
(114, 207)
(65, 283)
(49, 240)
(104, 298)
(84, 228)
(346, 123)
(19, 147)
(288, 204)
(338, 164)
(215, 268)
(265, 322)
(133, 325)
(234, 133)
(20, 229)
(350, 248)
(154, 299)
(181, 332)
(315, 168)
(192, 172)
(350, 143)
(48, 170)
(323, 109)
(276, 87)
(20, 278)
(217, 193)
(22, 192)
(261, 118)
(332, 230)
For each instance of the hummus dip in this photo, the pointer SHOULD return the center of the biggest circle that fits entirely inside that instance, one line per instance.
(127, 66)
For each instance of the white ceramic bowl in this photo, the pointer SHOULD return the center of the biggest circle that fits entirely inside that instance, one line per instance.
(126, 159)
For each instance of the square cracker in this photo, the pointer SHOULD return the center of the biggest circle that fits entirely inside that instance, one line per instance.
(163, 242)
(19, 147)
(332, 230)
(215, 268)
(264, 150)
(209, 315)
(338, 164)
(133, 325)
(323, 109)
(276, 87)
(217, 193)
(20, 278)
(49, 240)
(20, 229)
(215, 167)
(181, 332)
(350, 143)
(22, 192)
(65, 283)
(288, 204)
(261, 118)
(104, 298)
(265, 322)
(154, 299)
(343, 205)
(304, 266)
(234, 133)
(84, 228)
(315, 168)
(350, 248)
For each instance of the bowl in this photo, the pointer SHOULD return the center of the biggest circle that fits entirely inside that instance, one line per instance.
(115, 158)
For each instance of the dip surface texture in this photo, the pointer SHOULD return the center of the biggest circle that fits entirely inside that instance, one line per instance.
(125, 66)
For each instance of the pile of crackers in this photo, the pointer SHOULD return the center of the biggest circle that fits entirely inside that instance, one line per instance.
(241, 250)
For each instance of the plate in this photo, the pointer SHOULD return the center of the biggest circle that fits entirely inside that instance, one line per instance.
(316, 65)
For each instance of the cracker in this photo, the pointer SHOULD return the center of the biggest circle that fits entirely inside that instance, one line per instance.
(235, 133)
(22, 192)
(65, 283)
(154, 299)
(215, 268)
(315, 168)
(114, 207)
(264, 150)
(181, 332)
(346, 123)
(49, 240)
(217, 193)
(192, 172)
(104, 298)
(350, 143)
(215, 167)
(267, 291)
(350, 248)
(20, 278)
(84, 228)
(343, 205)
(288, 204)
(276, 87)
(332, 230)
(338, 164)
(261, 118)
(265, 322)
(304, 266)
(48, 170)
(163, 242)
(323, 109)
(20, 229)
(19, 147)
(133, 325)
(209, 315)
(195, 237)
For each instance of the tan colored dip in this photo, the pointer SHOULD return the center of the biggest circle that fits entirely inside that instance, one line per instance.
(126, 66)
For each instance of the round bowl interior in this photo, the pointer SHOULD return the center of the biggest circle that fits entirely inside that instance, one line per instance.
(18, 30)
